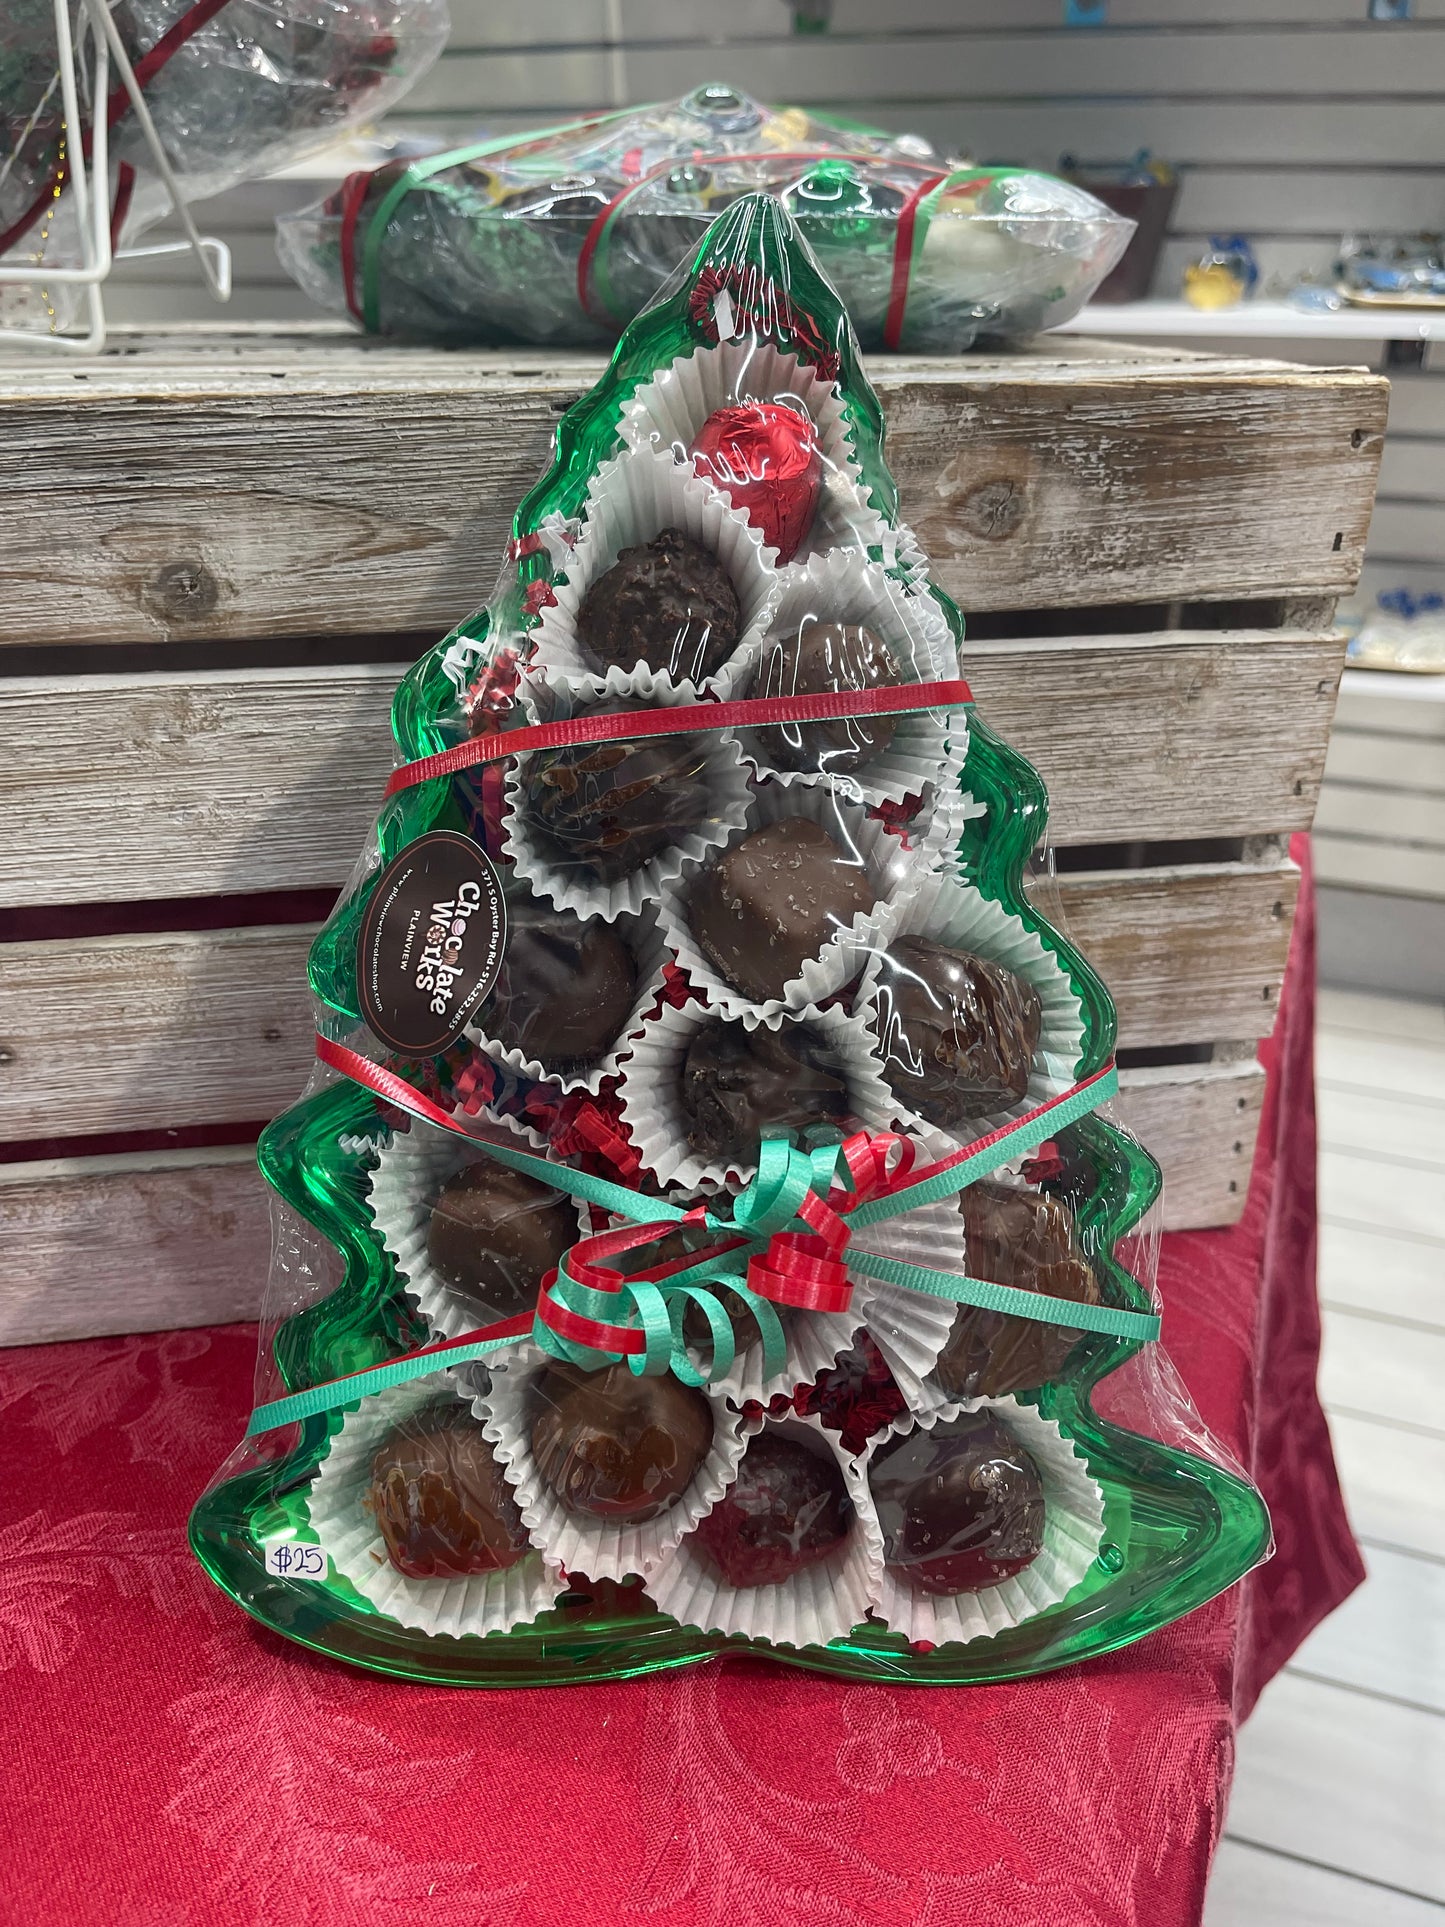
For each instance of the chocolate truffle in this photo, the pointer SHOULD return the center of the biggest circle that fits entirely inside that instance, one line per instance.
(958, 1033)
(565, 988)
(773, 900)
(669, 603)
(605, 809)
(961, 1506)
(1022, 1238)
(740, 1084)
(495, 1234)
(813, 659)
(616, 1445)
(440, 1499)
(786, 1509)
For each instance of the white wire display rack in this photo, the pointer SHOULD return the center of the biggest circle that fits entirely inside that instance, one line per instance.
(87, 180)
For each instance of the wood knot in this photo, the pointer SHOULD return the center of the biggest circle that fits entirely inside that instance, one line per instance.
(182, 591)
(993, 510)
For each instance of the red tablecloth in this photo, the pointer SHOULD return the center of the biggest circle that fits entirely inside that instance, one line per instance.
(167, 1762)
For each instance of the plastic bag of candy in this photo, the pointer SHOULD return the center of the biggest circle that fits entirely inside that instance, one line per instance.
(705, 1227)
(235, 89)
(563, 236)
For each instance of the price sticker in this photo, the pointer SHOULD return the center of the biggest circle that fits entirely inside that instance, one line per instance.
(289, 1561)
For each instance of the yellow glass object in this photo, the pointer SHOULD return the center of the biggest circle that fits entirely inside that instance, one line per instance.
(1213, 284)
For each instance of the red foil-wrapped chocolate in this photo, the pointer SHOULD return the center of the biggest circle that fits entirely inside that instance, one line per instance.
(764, 457)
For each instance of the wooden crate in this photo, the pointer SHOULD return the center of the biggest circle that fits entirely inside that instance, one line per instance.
(218, 550)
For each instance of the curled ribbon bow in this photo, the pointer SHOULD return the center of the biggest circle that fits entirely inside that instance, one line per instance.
(590, 1305)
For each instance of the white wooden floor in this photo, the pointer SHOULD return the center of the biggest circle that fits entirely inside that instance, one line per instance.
(1338, 1812)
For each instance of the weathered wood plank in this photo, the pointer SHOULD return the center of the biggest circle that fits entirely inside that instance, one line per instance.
(216, 783)
(151, 1241)
(143, 1242)
(1188, 952)
(1200, 1122)
(1166, 737)
(239, 499)
(212, 1027)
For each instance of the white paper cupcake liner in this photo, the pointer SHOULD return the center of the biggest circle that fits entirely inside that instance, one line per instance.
(910, 1328)
(905, 554)
(728, 805)
(666, 414)
(954, 913)
(651, 1101)
(644, 939)
(890, 870)
(1073, 1532)
(600, 1548)
(927, 751)
(478, 1604)
(821, 1603)
(632, 499)
(402, 1190)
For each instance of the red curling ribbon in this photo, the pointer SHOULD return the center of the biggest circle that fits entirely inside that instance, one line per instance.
(631, 724)
(817, 1213)
(903, 261)
(353, 198)
(867, 1161)
(800, 1271)
(124, 189)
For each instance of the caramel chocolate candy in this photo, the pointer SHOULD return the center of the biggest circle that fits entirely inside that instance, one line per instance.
(961, 1506)
(605, 809)
(440, 1499)
(669, 603)
(813, 659)
(739, 1085)
(495, 1234)
(787, 1509)
(1022, 1238)
(616, 1445)
(772, 901)
(958, 1033)
(565, 989)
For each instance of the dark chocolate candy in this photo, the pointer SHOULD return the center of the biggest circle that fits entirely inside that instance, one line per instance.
(958, 1033)
(786, 1509)
(740, 1084)
(961, 1506)
(565, 988)
(606, 808)
(616, 1445)
(1022, 1238)
(812, 659)
(440, 1499)
(495, 1234)
(669, 603)
(772, 901)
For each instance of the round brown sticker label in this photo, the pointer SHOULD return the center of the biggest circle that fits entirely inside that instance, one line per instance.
(431, 942)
